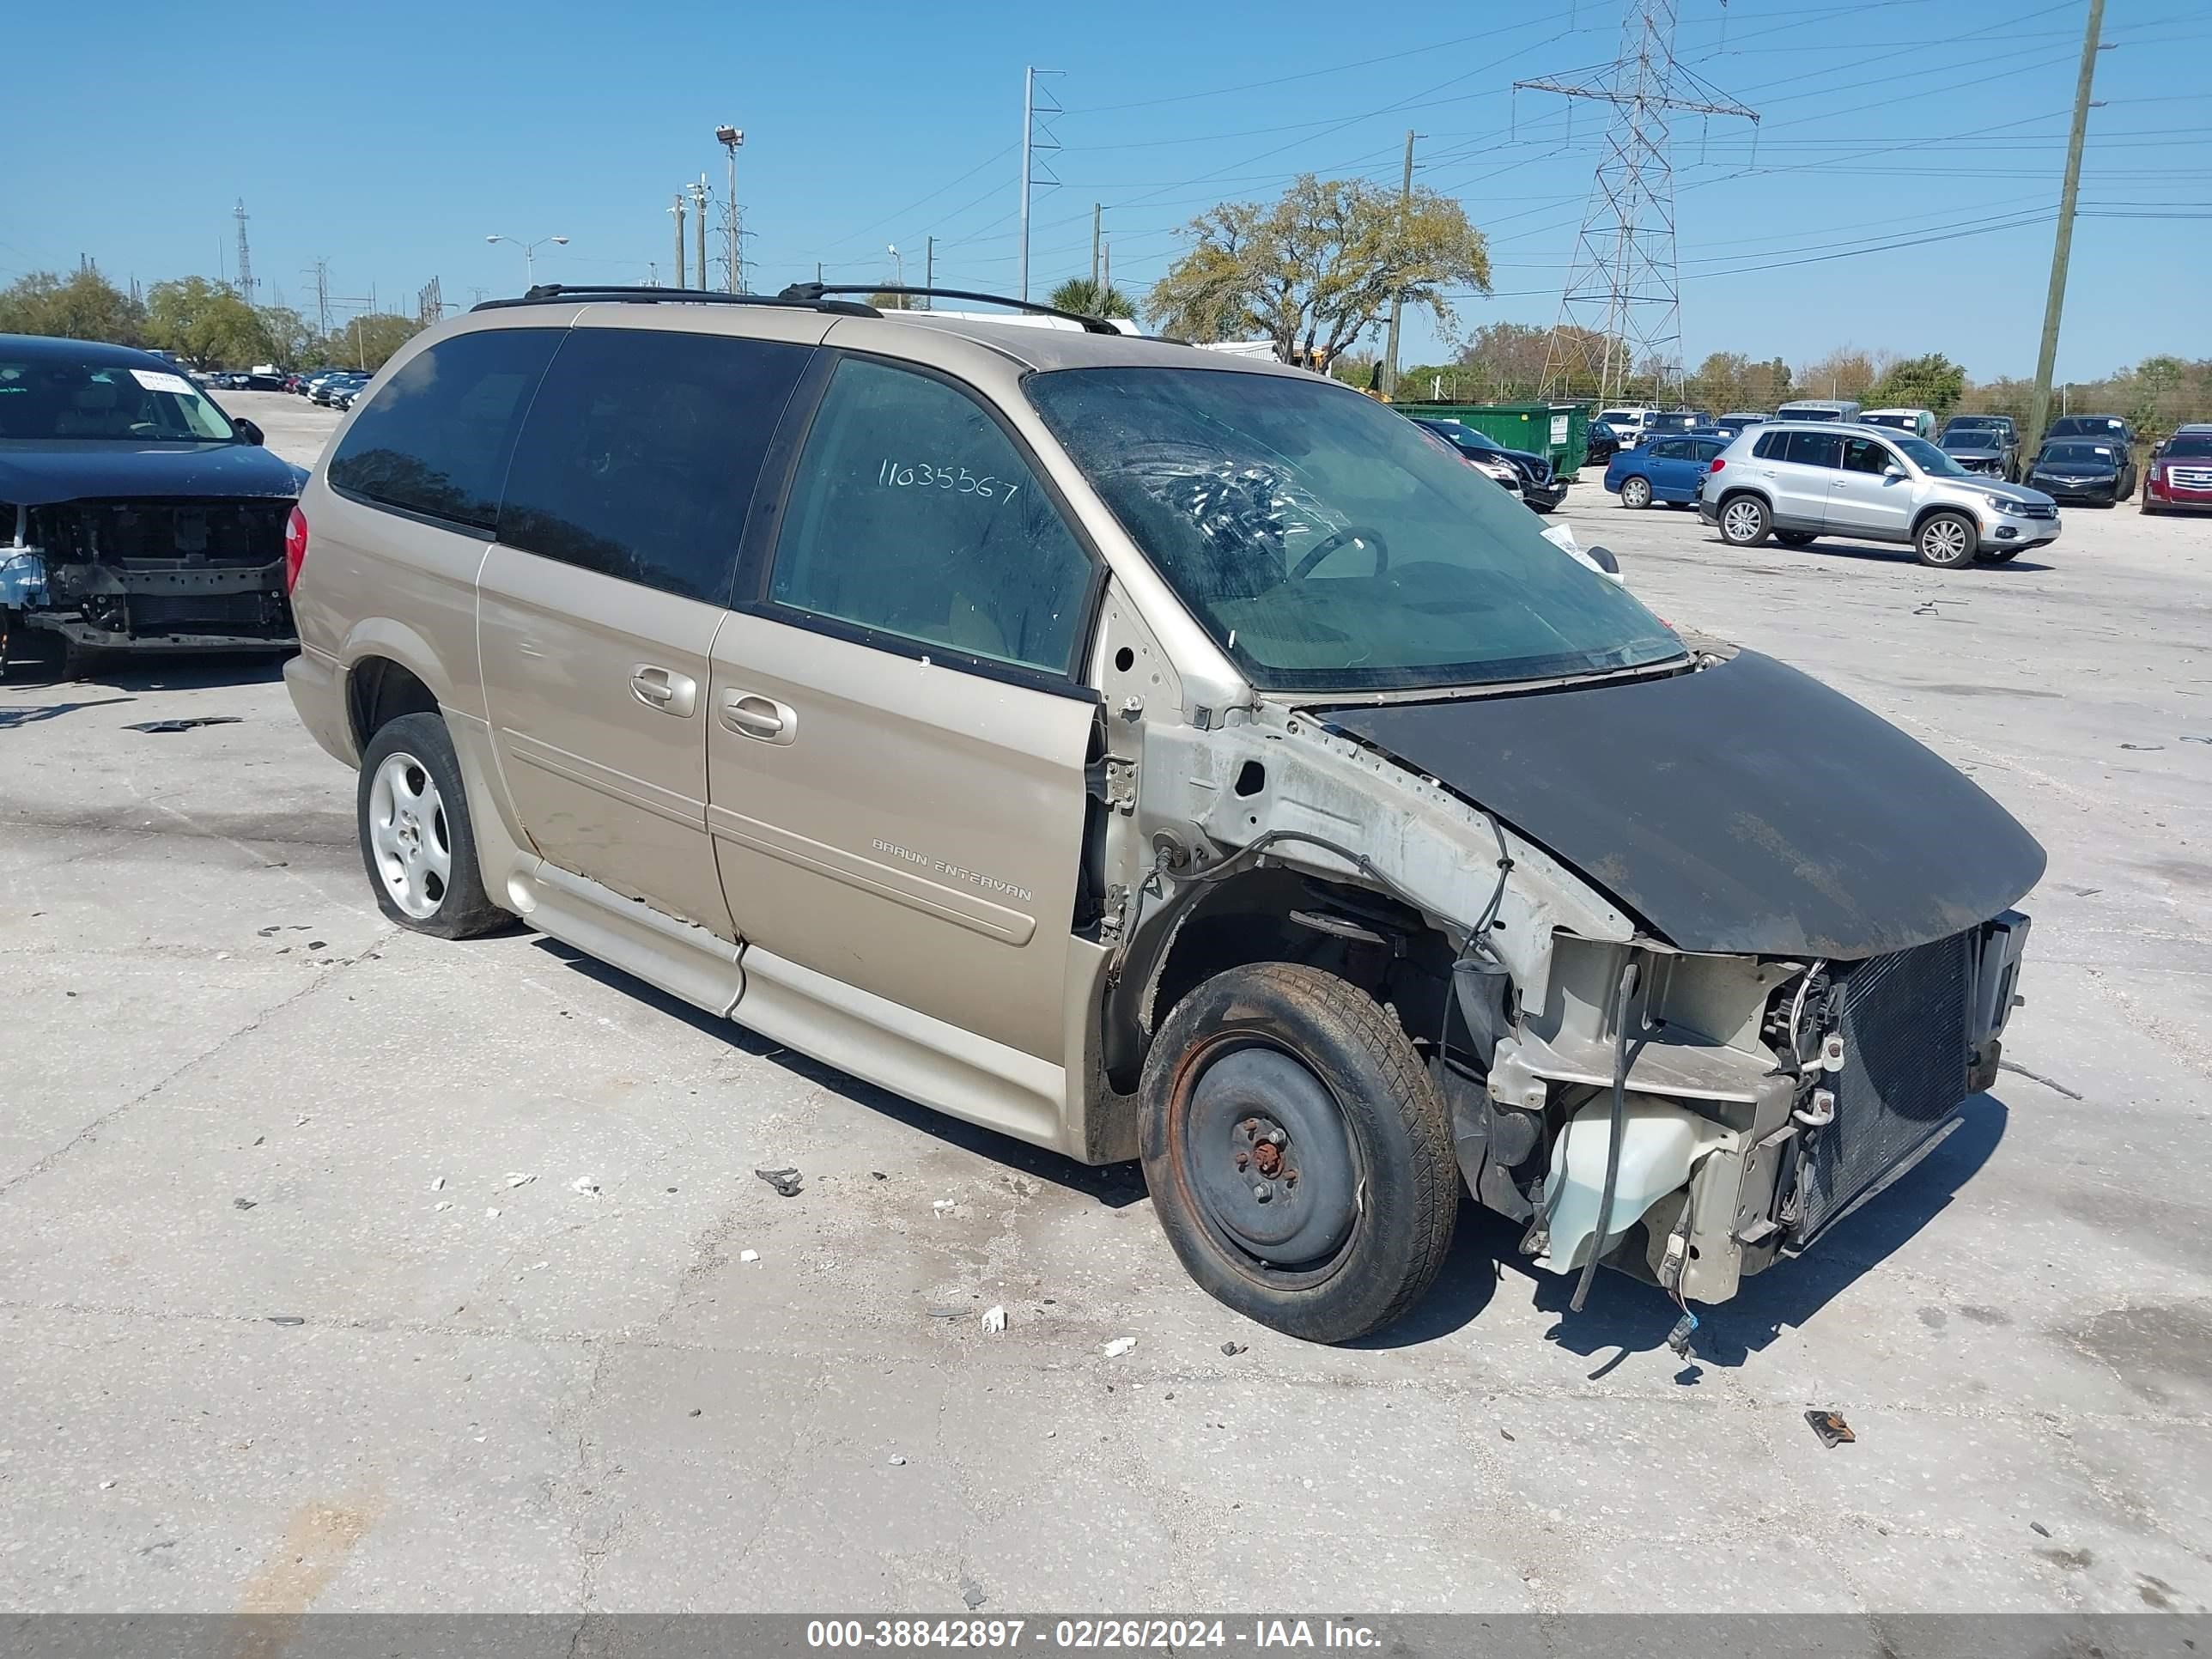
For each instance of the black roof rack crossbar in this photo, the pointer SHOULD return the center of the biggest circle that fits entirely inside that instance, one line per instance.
(811, 293)
(552, 293)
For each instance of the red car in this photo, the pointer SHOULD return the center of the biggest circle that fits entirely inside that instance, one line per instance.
(2181, 473)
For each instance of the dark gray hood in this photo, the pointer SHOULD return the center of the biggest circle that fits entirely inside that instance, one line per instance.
(1744, 808)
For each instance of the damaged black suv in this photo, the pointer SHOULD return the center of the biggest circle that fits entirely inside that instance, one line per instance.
(134, 513)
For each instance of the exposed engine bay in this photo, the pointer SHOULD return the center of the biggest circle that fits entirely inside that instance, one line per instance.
(198, 573)
(1688, 988)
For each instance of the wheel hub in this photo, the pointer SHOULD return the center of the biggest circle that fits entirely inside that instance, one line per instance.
(1267, 1157)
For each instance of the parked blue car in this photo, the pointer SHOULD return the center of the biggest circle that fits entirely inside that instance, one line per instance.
(1662, 469)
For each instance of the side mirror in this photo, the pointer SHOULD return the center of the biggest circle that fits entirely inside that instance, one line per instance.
(246, 430)
(1892, 473)
(1603, 559)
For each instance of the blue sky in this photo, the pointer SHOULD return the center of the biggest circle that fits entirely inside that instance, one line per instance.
(392, 139)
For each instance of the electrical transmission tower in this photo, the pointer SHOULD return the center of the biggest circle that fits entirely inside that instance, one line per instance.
(430, 303)
(1621, 312)
(1038, 144)
(245, 256)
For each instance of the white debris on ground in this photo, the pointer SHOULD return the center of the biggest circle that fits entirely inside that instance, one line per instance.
(586, 1186)
(1119, 1346)
(748, 1255)
(994, 1319)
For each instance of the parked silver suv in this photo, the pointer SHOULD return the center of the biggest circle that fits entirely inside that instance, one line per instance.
(1796, 480)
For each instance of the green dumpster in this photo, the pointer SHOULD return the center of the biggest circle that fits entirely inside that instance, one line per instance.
(1558, 432)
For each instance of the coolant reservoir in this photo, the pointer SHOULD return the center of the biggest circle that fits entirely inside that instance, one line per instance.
(1661, 1143)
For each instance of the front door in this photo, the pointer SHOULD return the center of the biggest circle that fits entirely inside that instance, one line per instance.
(896, 737)
(1864, 497)
(598, 604)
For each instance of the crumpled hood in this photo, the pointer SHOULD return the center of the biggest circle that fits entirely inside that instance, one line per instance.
(38, 471)
(1743, 808)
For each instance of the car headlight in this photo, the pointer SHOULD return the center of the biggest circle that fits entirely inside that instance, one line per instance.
(2003, 503)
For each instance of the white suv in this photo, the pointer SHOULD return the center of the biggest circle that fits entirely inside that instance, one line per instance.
(1795, 480)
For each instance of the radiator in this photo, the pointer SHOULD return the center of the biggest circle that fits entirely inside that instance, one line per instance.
(1907, 1060)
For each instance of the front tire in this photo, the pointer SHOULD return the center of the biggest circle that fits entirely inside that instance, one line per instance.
(1744, 522)
(412, 813)
(1947, 540)
(1999, 555)
(1299, 1158)
(1794, 537)
(1636, 493)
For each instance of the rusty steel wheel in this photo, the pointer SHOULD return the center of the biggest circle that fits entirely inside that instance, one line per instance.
(1298, 1157)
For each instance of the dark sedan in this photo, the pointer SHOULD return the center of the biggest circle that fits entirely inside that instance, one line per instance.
(1600, 443)
(140, 516)
(1542, 488)
(2083, 470)
(1988, 450)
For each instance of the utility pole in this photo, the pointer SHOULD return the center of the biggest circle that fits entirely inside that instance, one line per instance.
(678, 211)
(2062, 249)
(928, 269)
(321, 273)
(1105, 277)
(699, 202)
(1623, 277)
(1034, 140)
(1398, 301)
(732, 138)
(1097, 210)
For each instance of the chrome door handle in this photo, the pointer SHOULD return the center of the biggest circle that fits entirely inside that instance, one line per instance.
(663, 689)
(752, 716)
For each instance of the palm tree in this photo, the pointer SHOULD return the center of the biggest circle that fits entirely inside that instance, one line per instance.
(1081, 293)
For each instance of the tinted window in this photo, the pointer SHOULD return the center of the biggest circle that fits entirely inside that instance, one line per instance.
(437, 438)
(1865, 455)
(1707, 448)
(1667, 449)
(640, 454)
(1816, 449)
(2189, 445)
(913, 513)
(1771, 446)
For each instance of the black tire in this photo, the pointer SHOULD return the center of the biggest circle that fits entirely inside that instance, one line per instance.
(1744, 520)
(1636, 492)
(1945, 540)
(33, 656)
(1999, 555)
(1315, 1058)
(1794, 537)
(419, 747)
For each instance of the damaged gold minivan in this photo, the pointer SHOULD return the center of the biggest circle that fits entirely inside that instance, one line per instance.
(1146, 753)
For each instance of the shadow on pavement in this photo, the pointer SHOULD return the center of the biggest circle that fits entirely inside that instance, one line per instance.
(1117, 1186)
(32, 714)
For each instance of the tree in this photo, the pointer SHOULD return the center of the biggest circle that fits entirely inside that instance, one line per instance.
(205, 323)
(1505, 360)
(1316, 270)
(883, 301)
(1846, 372)
(1081, 293)
(1933, 382)
(291, 339)
(367, 340)
(84, 306)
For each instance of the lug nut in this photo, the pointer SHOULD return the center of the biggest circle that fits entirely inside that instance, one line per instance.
(1262, 1191)
(1242, 1161)
(1276, 1137)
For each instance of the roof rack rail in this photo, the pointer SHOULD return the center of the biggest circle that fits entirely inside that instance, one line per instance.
(551, 293)
(812, 293)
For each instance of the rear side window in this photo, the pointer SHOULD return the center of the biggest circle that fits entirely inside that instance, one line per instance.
(1707, 448)
(1771, 446)
(641, 451)
(437, 438)
(913, 514)
(1666, 449)
(1815, 448)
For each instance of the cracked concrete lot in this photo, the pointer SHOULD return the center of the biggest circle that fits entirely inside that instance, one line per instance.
(300, 1309)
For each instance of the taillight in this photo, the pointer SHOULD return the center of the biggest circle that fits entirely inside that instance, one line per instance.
(1718, 464)
(295, 548)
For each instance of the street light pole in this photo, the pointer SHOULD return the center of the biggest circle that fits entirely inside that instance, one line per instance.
(730, 139)
(530, 251)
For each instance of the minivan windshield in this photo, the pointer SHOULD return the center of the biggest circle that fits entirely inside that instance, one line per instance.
(1324, 542)
(40, 398)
